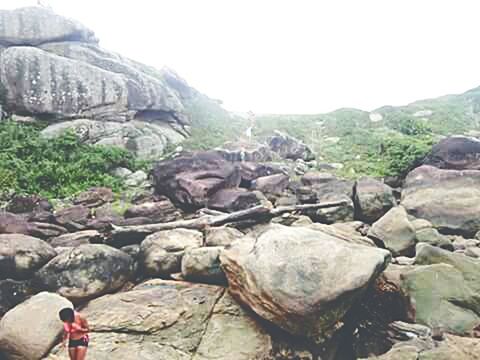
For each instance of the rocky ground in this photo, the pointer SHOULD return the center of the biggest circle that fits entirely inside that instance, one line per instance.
(240, 253)
(231, 259)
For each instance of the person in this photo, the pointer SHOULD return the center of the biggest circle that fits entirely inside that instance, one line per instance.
(76, 332)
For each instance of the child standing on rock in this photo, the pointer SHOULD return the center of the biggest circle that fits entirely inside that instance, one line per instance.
(76, 332)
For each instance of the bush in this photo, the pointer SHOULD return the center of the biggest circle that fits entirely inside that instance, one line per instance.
(55, 168)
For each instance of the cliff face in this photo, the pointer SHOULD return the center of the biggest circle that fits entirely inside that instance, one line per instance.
(52, 68)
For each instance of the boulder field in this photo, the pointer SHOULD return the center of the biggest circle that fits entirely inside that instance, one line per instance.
(224, 254)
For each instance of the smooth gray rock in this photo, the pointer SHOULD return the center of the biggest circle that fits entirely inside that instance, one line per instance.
(203, 265)
(38, 25)
(29, 330)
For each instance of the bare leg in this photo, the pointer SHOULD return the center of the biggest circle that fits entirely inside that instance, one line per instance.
(81, 353)
(72, 352)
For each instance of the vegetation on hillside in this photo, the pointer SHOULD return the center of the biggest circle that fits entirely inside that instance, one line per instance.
(55, 168)
(386, 142)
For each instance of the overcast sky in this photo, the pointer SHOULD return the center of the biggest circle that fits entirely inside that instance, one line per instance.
(295, 56)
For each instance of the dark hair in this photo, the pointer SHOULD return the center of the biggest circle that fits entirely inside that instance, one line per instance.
(67, 314)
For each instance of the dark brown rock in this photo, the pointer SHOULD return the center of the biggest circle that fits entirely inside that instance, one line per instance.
(21, 204)
(455, 152)
(161, 211)
(189, 181)
(290, 148)
(271, 184)
(94, 197)
(230, 200)
(73, 218)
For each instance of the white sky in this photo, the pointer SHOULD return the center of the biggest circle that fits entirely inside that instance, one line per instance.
(295, 56)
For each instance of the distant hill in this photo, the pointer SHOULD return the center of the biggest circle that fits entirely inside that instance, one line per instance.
(379, 143)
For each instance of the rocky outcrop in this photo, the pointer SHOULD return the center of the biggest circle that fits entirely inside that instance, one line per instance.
(230, 200)
(52, 68)
(24, 339)
(203, 265)
(302, 280)
(449, 199)
(288, 147)
(21, 255)
(86, 272)
(76, 239)
(456, 153)
(158, 211)
(38, 25)
(395, 231)
(161, 253)
(157, 319)
(372, 199)
(189, 181)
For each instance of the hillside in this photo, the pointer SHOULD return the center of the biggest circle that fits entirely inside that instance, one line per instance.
(381, 143)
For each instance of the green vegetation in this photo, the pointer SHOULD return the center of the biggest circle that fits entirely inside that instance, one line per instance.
(387, 144)
(55, 168)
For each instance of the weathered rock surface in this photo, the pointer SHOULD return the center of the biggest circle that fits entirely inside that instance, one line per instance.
(146, 140)
(455, 152)
(73, 218)
(322, 187)
(16, 224)
(221, 236)
(290, 148)
(272, 184)
(159, 211)
(39, 25)
(94, 197)
(21, 255)
(203, 265)
(231, 200)
(190, 180)
(395, 231)
(155, 320)
(372, 199)
(449, 199)
(30, 329)
(161, 253)
(76, 239)
(231, 332)
(22, 204)
(300, 279)
(452, 347)
(86, 272)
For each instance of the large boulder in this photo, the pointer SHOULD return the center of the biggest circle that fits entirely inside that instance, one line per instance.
(455, 152)
(288, 147)
(441, 298)
(86, 272)
(39, 25)
(203, 265)
(395, 231)
(147, 140)
(231, 200)
(29, 330)
(322, 187)
(449, 199)
(159, 211)
(272, 184)
(76, 239)
(73, 218)
(221, 236)
(22, 255)
(372, 199)
(155, 320)
(161, 253)
(17, 224)
(189, 181)
(302, 280)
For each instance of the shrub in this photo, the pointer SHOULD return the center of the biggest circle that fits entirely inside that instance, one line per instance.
(55, 167)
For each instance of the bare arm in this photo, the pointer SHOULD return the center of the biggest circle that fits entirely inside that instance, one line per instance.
(85, 326)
